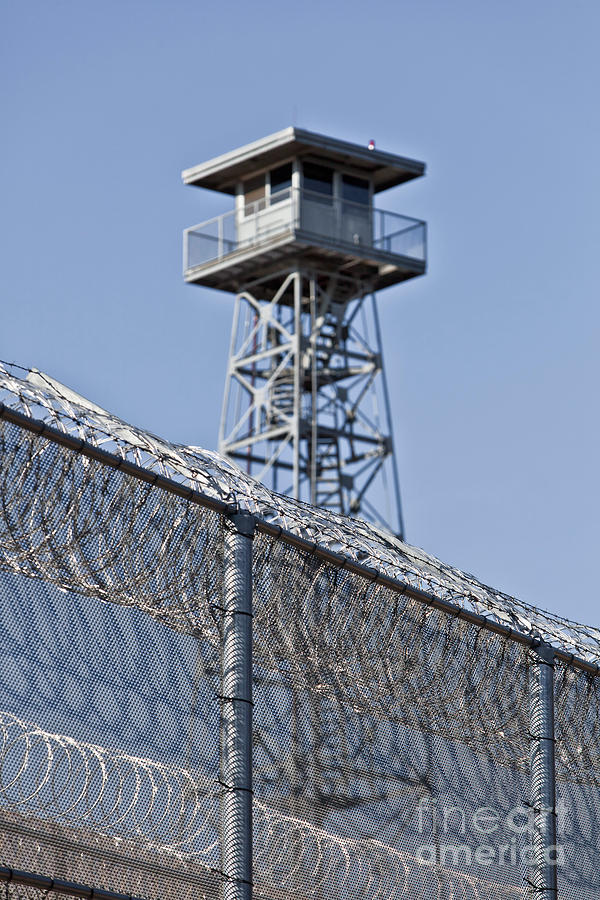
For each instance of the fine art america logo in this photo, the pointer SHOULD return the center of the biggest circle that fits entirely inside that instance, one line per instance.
(484, 836)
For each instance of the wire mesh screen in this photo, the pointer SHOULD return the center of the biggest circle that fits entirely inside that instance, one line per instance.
(382, 727)
(578, 782)
(109, 709)
(391, 738)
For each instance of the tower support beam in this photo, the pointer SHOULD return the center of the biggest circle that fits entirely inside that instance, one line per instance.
(306, 393)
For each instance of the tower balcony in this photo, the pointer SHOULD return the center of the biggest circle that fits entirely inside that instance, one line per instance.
(308, 230)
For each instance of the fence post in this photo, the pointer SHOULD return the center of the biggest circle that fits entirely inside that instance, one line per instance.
(543, 772)
(236, 716)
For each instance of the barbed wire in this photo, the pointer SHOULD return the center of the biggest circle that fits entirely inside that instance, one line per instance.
(365, 699)
(39, 396)
(61, 779)
(171, 810)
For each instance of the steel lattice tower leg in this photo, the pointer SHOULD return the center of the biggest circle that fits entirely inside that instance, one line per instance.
(306, 408)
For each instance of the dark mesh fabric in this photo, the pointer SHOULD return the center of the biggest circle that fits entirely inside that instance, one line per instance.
(391, 740)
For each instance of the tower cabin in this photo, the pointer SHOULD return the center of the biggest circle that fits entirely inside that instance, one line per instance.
(305, 200)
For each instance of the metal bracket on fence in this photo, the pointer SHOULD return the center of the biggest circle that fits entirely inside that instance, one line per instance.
(543, 770)
(236, 708)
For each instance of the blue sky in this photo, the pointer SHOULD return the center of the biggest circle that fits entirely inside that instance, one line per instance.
(492, 356)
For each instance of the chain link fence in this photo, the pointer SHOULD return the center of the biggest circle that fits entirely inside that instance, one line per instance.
(393, 706)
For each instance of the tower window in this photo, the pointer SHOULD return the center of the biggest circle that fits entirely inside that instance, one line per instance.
(254, 192)
(356, 190)
(281, 181)
(318, 179)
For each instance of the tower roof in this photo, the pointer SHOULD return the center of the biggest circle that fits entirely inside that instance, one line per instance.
(223, 172)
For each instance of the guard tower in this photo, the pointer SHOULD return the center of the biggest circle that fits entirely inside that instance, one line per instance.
(304, 250)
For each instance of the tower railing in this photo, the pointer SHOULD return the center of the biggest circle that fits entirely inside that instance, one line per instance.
(294, 210)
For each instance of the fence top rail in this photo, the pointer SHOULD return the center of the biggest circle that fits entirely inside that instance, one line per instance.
(37, 402)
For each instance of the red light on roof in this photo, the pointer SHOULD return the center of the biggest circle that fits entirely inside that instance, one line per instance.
(371, 145)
